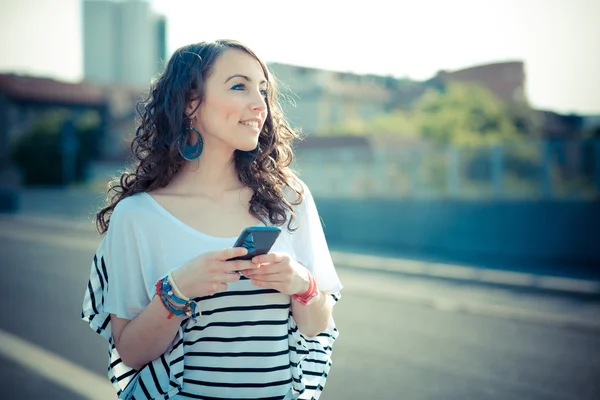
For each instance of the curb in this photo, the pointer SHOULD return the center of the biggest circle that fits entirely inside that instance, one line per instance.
(466, 274)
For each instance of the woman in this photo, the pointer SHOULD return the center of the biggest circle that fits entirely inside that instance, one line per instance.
(181, 320)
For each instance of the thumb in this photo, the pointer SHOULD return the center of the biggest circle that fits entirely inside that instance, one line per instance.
(226, 254)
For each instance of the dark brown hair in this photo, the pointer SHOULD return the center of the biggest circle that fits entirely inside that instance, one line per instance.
(162, 120)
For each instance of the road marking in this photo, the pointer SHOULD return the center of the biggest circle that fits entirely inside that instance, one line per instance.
(56, 369)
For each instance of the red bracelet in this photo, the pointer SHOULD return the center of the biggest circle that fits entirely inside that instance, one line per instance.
(307, 297)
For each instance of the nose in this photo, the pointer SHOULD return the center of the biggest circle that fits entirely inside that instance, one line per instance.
(259, 103)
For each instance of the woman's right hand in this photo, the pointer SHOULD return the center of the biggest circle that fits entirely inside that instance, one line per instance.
(210, 273)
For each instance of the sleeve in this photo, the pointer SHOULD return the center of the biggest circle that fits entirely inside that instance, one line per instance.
(310, 358)
(311, 246)
(117, 286)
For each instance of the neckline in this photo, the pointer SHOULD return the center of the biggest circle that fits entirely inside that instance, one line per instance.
(179, 222)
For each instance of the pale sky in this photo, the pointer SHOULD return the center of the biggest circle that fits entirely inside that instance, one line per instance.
(559, 40)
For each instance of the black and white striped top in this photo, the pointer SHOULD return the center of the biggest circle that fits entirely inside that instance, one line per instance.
(245, 345)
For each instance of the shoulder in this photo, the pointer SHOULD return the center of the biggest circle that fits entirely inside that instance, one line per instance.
(297, 191)
(130, 204)
(301, 200)
(129, 209)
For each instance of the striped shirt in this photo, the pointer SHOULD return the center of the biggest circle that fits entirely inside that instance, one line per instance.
(245, 343)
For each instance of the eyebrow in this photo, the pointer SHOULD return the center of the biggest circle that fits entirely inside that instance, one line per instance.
(243, 77)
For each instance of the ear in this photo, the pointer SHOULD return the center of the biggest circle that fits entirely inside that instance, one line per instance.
(191, 108)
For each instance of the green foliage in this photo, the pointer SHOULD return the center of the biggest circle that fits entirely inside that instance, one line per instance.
(463, 114)
(397, 123)
(351, 126)
(37, 152)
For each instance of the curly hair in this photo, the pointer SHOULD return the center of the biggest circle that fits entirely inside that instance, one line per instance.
(161, 122)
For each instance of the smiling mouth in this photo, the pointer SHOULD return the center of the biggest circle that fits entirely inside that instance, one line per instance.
(251, 124)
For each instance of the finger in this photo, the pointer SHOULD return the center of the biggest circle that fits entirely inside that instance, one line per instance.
(263, 271)
(266, 269)
(269, 258)
(238, 265)
(226, 254)
(217, 288)
(229, 277)
(267, 278)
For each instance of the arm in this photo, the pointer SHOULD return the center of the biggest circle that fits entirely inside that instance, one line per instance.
(278, 271)
(147, 336)
(313, 319)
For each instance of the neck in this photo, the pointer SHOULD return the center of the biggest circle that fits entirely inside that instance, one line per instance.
(212, 173)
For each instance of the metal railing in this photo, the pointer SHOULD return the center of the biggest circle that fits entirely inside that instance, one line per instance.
(568, 169)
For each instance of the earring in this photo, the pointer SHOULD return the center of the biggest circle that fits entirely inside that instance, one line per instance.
(188, 152)
(248, 157)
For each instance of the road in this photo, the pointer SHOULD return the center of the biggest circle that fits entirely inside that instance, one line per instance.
(390, 347)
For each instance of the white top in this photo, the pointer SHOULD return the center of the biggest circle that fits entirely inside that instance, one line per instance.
(246, 344)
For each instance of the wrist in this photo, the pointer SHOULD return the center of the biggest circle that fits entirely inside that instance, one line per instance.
(179, 285)
(175, 305)
(305, 288)
(309, 295)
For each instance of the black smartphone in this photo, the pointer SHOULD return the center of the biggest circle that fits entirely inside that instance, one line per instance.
(257, 239)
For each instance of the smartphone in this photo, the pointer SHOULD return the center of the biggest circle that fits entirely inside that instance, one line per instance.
(257, 239)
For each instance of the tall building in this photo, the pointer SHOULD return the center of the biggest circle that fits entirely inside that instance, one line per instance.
(124, 42)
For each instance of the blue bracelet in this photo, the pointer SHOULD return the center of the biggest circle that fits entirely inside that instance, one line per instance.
(174, 304)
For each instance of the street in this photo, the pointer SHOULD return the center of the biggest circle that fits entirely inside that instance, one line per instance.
(390, 347)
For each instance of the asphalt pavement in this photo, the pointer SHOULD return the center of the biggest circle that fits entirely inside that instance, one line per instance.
(403, 335)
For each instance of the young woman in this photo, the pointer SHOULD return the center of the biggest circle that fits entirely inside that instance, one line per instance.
(213, 154)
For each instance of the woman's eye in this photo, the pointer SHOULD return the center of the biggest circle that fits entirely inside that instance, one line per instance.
(241, 86)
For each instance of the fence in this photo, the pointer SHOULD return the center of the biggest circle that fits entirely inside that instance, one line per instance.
(526, 170)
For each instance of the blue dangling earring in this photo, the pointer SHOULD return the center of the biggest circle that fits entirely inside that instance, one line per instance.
(188, 152)
(248, 157)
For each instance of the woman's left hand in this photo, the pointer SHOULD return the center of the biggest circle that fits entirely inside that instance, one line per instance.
(280, 272)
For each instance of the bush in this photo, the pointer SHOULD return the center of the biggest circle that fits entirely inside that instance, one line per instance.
(38, 152)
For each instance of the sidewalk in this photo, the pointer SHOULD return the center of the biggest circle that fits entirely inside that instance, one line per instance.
(466, 274)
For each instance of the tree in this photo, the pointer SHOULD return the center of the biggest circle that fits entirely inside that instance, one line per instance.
(465, 114)
(458, 113)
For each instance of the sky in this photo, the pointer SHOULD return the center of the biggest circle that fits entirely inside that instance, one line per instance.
(559, 40)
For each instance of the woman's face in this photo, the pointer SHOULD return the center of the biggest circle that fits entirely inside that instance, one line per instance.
(234, 108)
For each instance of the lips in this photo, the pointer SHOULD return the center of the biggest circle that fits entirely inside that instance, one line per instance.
(251, 123)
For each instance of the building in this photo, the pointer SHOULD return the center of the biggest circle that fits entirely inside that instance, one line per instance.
(317, 100)
(322, 99)
(505, 79)
(124, 42)
(24, 98)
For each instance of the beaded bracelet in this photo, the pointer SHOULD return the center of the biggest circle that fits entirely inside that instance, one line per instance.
(174, 304)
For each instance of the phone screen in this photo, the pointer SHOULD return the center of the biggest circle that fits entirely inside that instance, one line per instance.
(257, 239)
